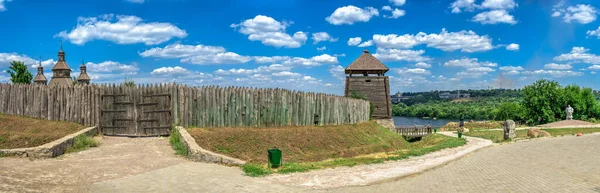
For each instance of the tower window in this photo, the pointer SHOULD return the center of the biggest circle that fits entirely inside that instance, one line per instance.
(367, 80)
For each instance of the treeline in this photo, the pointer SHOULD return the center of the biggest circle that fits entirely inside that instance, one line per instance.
(480, 109)
(434, 96)
(542, 102)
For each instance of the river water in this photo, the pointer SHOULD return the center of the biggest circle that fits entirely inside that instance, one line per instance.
(398, 120)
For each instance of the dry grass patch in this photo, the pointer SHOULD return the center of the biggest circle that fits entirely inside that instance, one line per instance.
(453, 126)
(21, 132)
(299, 144)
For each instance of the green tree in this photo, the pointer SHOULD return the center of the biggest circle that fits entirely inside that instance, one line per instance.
(19, 74)
(542, 102)
(509, 110)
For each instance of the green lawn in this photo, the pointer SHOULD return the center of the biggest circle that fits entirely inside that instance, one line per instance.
(428, 144)
(497, 136)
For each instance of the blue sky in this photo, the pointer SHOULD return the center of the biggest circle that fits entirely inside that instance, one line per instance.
(306, 44)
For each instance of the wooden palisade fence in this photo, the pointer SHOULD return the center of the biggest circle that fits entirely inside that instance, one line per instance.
(211, 106)
(206, 106)
(79, 104)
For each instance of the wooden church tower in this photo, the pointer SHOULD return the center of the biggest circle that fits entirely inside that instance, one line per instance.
(366, 77)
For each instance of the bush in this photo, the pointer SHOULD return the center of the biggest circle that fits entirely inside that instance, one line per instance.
(175, 141)
(81, 143)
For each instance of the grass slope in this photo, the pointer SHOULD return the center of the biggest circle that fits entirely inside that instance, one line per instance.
(21, 132)
(316, 147)
(299, 144)
(497, 136)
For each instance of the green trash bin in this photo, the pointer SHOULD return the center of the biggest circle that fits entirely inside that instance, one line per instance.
(459, 134)
(274, 156)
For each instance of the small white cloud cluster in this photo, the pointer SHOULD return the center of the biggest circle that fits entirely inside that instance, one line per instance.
(121, 29)
(497, 10)
(396, 13)
(351, 14)
(472, 68)
(322, 37)
(356, 41)
(465, 41)
(270, 32)
(579, 13)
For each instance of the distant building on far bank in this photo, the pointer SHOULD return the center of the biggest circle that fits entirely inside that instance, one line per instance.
(447, 95)
(397, 98)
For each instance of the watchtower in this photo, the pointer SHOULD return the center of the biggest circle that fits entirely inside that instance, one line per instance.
(40, 79)
(61, 71)
(83, 76)
(366, 78)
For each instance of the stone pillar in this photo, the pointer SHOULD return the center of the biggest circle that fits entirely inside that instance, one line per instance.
(510, 131)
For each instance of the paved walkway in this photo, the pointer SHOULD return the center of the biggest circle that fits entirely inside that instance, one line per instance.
(561, 164)
(115, 158)
(370, 173)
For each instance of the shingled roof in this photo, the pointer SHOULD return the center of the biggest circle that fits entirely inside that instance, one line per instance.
(366, 62)
(61, 64)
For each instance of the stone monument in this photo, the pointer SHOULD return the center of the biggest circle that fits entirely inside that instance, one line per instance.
(510, 131)
(569, 112)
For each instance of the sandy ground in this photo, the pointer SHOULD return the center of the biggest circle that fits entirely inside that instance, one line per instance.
(115, 158)
(569, 123)
(368, 174)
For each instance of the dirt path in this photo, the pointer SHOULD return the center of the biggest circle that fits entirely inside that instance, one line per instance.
(115, 158)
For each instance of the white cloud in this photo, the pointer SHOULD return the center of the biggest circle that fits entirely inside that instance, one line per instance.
(580, 13)
(2, 6)
(124, 30)
(355, 41)
(321, 37)
(398, 2)
(579, 55)
(422, 65)
(511, 68)
(170, 71)
(337, 71)
(494, 17)
(325, 59)
(219, 58)
(386, 8)
(396, 13)
(465, 5)
(594, 33)
(512, 47)
(260, 69)
(466, 41)
(499, 4)
(287, 73)
(412, 71)
(384, 54)
(113, 67)
(6, 58)
(480, 69)
(270, 32)
(554, 73)
(366, 44)
(270, 59)
(321, 48)
(594, 67)
(181, 51)
(554, 66)
(470, 74)
(313, 61)
(198, 54)
(135, 1)
(351, 14)
(469, 63)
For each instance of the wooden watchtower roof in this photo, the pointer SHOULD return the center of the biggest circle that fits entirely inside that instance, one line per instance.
(366, 63)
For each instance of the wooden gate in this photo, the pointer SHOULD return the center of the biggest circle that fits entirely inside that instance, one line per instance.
(136, 110)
